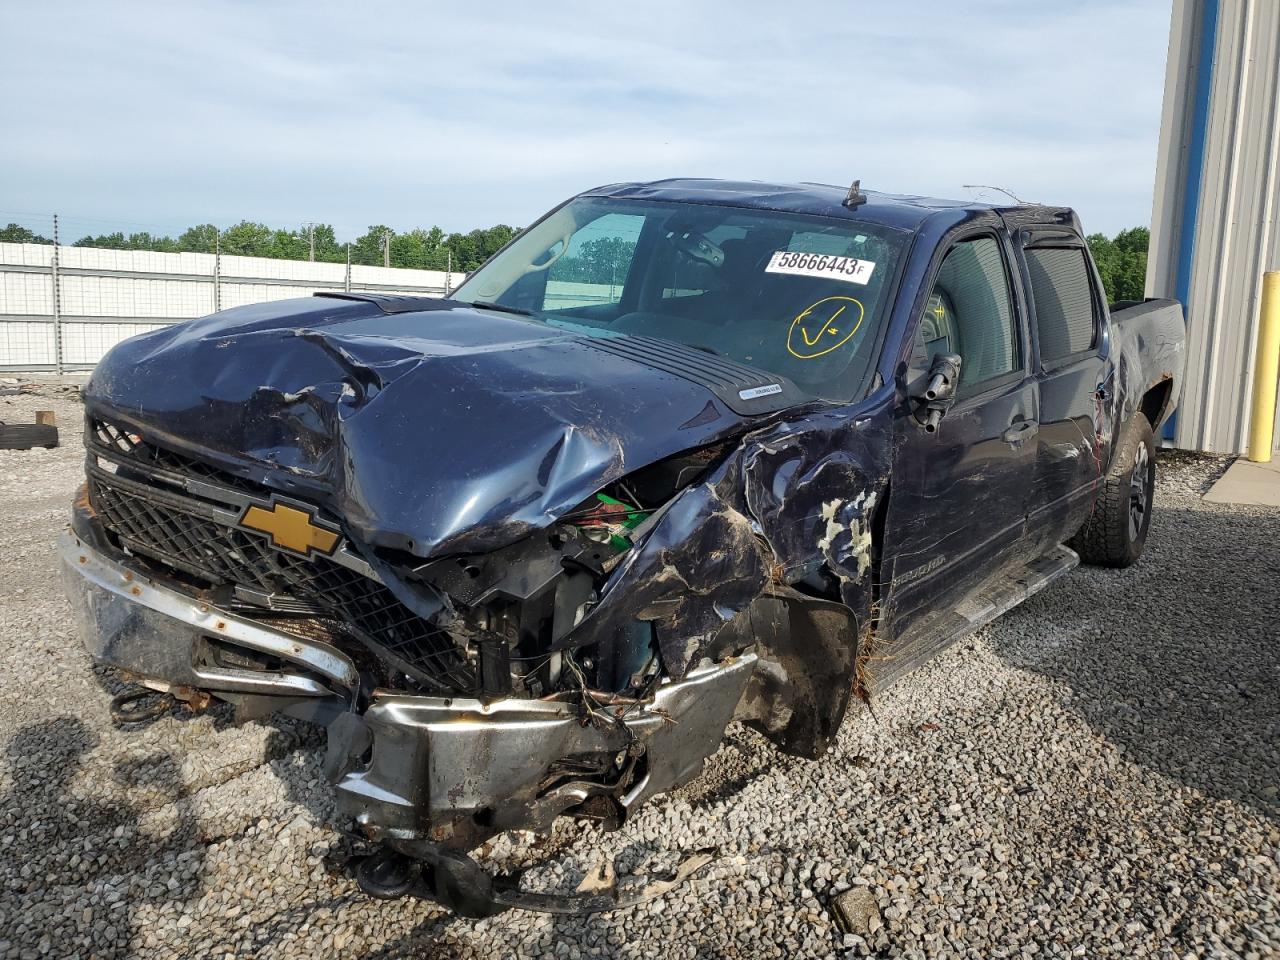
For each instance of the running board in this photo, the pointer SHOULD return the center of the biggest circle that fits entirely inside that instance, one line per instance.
(992, 599)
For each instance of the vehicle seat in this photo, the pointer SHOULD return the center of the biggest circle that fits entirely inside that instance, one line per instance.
(710, 319)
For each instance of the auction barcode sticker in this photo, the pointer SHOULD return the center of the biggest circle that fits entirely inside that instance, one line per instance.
(848, 269)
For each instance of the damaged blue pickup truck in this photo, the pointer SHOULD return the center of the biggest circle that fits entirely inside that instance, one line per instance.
(682, 453)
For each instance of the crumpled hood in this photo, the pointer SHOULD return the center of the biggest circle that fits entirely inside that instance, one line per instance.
(437, 431)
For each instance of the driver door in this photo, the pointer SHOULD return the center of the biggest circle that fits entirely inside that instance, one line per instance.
(960, 496)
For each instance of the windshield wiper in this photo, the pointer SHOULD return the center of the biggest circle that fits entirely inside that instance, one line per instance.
(489, 305)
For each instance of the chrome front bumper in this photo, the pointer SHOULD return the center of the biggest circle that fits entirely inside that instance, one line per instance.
(457, 771)
(452, 771)
(130, 621)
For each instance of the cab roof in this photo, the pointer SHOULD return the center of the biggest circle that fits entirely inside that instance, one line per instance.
(816, 199)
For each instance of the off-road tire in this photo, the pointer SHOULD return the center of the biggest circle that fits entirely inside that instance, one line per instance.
(24, 436)
(1116, 530)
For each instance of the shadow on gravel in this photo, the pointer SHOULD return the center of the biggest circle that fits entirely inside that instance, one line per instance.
(424, 940)
(428, 938)
(58, 842)
(543, 934)
(745, 757)
(1177, 659)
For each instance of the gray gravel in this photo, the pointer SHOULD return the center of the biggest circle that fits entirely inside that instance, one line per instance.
(1094, 776)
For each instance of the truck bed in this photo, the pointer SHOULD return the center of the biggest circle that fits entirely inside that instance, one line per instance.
(1149, 339)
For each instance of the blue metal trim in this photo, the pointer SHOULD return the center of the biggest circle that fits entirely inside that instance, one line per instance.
(1195, 160)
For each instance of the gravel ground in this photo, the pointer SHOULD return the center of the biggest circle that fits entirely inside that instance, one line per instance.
(1094, 775)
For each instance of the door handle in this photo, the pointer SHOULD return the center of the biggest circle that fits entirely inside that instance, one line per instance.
(1020, 431)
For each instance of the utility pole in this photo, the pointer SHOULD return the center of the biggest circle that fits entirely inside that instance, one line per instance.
(448, 272)
(311, 240)
(386, 248)
(348, 281)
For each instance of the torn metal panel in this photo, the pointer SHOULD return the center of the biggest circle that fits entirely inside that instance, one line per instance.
(698, 567)
(813, 486)
(803, 684)
(791, 501)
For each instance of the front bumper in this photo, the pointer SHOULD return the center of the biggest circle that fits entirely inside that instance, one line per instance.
(138, 623)
(450, 771)
(458, 771)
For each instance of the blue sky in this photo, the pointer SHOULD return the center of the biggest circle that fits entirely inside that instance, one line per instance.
(155, 116)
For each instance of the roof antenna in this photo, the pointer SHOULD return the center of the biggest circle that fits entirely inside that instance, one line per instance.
(984, 186)
(856, 197)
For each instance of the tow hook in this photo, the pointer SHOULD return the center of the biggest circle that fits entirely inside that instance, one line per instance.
(386, 875)
(153, 699)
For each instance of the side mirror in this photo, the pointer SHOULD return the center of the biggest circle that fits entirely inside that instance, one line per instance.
(939, 391)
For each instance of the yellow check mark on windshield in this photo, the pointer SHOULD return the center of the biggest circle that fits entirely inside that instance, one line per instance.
(828, 336)
(825, 330)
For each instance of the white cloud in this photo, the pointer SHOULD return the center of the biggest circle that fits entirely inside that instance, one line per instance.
(168, 114)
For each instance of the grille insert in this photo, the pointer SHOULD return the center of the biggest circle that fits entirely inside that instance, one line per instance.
(181, 532)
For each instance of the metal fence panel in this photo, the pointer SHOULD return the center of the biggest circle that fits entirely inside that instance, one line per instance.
(62, 308)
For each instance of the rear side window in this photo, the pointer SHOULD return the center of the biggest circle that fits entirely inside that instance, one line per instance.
(1064, 301)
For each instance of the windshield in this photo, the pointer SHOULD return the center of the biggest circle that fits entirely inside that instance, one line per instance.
(799, 296)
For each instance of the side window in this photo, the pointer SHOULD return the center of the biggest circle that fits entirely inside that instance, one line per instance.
(1063, 300)
(970, 312)
(594, 267)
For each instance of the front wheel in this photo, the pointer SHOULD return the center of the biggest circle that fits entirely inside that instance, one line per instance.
(1116, 530)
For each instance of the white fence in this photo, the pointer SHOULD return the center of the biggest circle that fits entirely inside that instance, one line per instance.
(62, 308)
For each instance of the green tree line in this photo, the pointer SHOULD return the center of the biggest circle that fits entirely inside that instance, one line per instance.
(1122, 259)
(1122, 262)
(603, 260)
(431, 249)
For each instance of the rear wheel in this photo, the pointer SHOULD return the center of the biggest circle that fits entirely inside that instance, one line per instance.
(1116, 531)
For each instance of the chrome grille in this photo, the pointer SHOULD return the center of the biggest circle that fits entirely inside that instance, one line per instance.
(146, 506)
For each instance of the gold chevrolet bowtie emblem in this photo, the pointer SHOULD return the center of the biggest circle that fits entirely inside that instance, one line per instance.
(290, 529)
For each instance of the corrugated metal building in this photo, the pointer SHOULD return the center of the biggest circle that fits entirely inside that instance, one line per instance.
(1213, 223)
